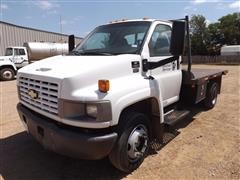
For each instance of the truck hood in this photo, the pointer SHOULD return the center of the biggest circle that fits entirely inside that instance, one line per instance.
(76, 72)
(62, 67)
(3, 58)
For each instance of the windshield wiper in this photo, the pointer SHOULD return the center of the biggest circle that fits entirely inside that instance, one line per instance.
(95, 53)
(78, 53)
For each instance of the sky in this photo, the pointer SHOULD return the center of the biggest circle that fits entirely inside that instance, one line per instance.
(79, 17)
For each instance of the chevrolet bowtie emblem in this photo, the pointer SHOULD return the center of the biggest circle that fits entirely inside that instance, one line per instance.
(33, 94)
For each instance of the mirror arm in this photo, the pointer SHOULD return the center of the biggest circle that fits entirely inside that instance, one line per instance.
(153, 65)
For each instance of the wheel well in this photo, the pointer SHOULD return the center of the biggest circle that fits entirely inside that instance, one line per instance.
(8, 66)
(149, 107)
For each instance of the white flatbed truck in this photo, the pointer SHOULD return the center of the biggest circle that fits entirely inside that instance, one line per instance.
(113, 93)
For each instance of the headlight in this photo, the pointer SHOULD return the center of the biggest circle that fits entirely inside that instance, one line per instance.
(85, 111)
(92, 110)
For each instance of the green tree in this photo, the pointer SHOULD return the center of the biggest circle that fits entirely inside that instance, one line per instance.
(215, 39)
(207, 40)
(214, 34)
(199, 33)
(225, 31)
(229, 27)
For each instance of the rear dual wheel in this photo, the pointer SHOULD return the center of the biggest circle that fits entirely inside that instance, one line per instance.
(211, 95)
(133, 142)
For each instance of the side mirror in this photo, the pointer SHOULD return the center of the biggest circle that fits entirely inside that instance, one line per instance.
(177, 38)
(71, 43)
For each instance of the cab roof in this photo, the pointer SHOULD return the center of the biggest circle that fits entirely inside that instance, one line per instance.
(17, 47)
(138, 20)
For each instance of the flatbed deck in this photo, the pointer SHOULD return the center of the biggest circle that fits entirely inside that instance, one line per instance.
(198, 76)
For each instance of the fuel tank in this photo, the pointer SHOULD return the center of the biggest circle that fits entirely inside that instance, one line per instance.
(41, 50)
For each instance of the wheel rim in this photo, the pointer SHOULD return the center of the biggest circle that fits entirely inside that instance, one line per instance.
(214, 101)
(7, 75)
(214, 95)
(137, 143)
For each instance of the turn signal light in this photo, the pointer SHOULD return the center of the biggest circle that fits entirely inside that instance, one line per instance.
(103, 85)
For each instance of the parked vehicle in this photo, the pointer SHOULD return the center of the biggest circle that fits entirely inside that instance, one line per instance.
(17, 57)
(8, 70)
(114, 92)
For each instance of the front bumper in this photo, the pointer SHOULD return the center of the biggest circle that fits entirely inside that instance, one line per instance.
(66, 141)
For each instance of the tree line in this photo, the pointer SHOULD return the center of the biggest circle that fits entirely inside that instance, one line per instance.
(208, 39)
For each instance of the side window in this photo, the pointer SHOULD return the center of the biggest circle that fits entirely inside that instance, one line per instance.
(160, 41)
(16, 52)
(9, 52)
(21, 52)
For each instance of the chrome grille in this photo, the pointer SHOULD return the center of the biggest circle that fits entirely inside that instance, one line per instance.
(47, 98)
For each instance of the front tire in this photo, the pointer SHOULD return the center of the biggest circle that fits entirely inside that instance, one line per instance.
(7, 74)
(133, 142)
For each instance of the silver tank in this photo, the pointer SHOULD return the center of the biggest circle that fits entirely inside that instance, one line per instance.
(41, 50)
(230, 50)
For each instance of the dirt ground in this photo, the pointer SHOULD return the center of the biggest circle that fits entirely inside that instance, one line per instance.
(205, 146)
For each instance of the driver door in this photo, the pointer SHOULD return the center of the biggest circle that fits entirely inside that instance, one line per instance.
(168, 76)
(19, 57)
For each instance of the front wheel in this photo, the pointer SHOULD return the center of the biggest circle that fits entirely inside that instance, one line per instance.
(133, 142)
(7, 74)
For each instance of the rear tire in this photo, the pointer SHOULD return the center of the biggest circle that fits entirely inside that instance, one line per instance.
(133, 142)
(7, 74)
(211, 95)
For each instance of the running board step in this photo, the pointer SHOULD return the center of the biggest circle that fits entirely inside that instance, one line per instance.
(175, 116)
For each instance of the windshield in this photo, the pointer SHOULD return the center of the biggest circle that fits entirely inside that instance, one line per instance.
(9, 52)
(119, 38)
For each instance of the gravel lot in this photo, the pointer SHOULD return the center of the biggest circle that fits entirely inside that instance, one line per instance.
(206, 146)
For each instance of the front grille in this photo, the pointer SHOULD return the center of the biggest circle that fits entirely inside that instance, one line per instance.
(46, 94)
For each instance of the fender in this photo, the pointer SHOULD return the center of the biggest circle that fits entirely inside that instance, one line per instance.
(137, 95)
(8, 63)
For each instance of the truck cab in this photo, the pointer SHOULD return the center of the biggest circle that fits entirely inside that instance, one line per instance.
(18, 55)
(14, 58)
(113, 93)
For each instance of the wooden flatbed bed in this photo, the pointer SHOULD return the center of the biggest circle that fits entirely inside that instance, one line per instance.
(196, 83)
(198, 76)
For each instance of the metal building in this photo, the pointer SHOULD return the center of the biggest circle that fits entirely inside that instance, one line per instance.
(14, 35)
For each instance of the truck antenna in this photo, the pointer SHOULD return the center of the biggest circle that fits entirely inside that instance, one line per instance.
(61, 40)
